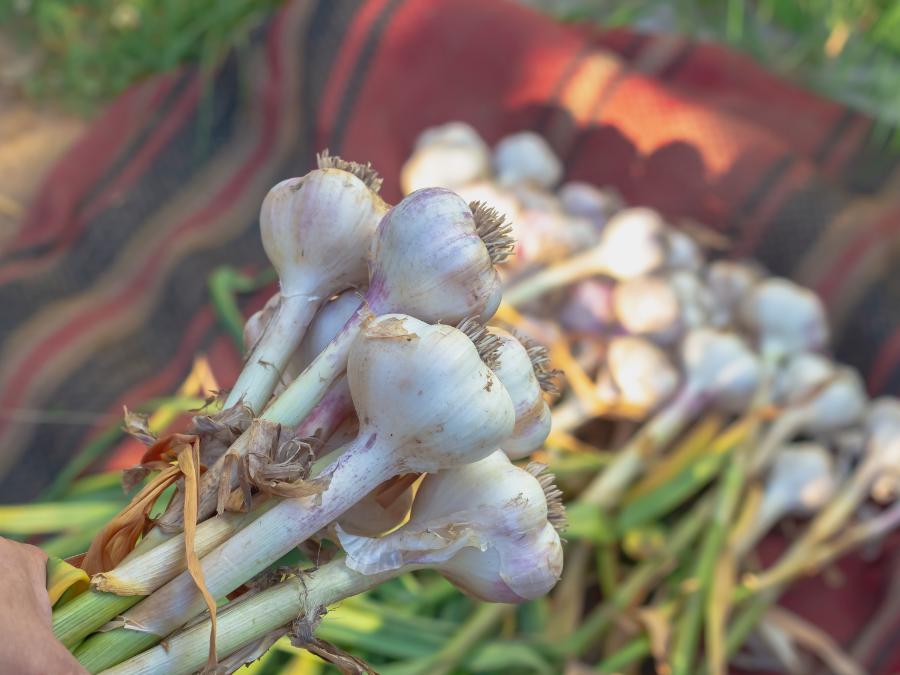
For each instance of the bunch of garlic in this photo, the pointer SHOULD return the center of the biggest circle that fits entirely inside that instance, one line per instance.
(375, 345)
(654, 329)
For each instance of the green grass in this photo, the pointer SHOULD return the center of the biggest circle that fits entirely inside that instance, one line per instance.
(87, 51)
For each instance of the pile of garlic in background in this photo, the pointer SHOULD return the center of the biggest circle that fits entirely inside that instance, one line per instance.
(710, 382)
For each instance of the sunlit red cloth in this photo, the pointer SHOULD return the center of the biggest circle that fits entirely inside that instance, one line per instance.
(103, 288)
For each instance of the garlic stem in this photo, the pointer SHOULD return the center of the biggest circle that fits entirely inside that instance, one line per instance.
(144, 574)
(328, 415)
(302, 395)
(288, 409)
(115, 591)
(573, 269)
(606, 489)
(358, 471)
(248, 620)
(267, 361)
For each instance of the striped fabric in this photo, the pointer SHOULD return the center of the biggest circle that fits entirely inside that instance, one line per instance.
(103, 286)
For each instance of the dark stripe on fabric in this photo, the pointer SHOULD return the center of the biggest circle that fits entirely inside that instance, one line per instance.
(874, 162)
(834, 135)
(101, 380)
(551, 107)
(633, 47)
(318, 51)
(358, 76)
(111, 230)
(775, 172)
(800, 220)
(112, 172)
(871, 321)
(672, 68)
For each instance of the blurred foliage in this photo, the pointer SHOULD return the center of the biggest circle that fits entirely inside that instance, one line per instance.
(87, 51)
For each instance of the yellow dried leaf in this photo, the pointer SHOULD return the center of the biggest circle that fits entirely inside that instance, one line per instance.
(64, 580)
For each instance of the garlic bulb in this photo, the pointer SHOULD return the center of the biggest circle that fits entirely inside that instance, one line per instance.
(636, 378)
(433, 258)
(316, 230)
(516, 372)
(648, 306)
(641, 373)
(589, 307)
(486, 526)
(800, 482)
(426, 401)
(684, 252)
(729, 282)
(828, 397)
(517, 558)
(632, 244)
(785, 318)
(720, 367)
(449, 156)
(817, 397)
(883, 448)
(585, 200)
(720, 370)
(526, 157)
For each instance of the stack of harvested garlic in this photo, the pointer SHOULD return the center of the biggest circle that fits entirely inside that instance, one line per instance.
(378, 328)
(661, 344)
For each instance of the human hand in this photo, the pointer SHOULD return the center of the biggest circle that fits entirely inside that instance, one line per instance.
(27, 643)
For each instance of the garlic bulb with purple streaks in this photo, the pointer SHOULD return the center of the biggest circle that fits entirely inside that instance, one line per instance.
(485, 526)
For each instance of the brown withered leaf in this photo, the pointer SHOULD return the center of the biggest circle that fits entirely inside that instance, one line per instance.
(260, 438)
(346, 663)
(134, 476)
(189, 464)
(302, 634)
(118, 538)
(120, 535)
(284, 470)
(245, 655)
(137, 425)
